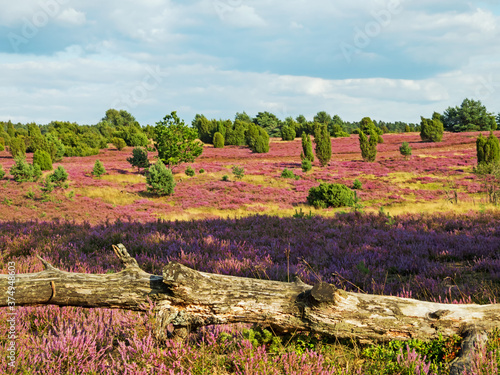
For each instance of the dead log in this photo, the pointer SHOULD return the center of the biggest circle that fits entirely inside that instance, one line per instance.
(189, 299)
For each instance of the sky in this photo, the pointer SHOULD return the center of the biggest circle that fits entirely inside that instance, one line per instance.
(391, 60)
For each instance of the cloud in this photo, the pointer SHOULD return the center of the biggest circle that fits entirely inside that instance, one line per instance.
(72, 16)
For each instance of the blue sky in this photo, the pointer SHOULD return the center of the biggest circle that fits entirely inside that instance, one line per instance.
(387, 59)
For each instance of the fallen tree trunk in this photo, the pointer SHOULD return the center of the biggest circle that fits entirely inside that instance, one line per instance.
(188, 299)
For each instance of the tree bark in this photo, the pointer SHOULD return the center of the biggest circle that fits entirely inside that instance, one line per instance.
(188, 299)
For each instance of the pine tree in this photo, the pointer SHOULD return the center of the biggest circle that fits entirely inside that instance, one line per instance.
(42, 158)
(139, 158)
(368, 146)
(488, 149)
(218, 140)
(405, 150)
(99, 169)
(159, 179)
(323, 144)
(431, 130)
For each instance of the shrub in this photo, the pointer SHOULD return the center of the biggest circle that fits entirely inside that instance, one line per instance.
(488, 149)
(368, 146)
(159, 179)
(323, 144)
(288, 133)
(42, 158)
(431, 130)
(218, 140)
(99, 169)
(119, 143)
(225, 178)
(238, 172)
(17, 147)
(357, 184)
(261, 145)
(22, 171)
(47, 187)
(2, 144)
(306, 165)
(55, 147)
(189, 171)
(59, 176)
(405, 150)
(139, 158)
(307, 150)
(287, 173)
(330, 195)
(2, 172)
(201, 170)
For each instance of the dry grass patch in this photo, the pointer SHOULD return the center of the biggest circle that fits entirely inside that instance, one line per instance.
(125, 179)
(109, 195)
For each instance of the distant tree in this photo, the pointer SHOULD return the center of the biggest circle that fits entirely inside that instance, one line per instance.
(288, 132)
(175, 142)
(405, 150)
(2, 144)
(367, 126)
(11, 131)
(22, 171)
(189, 171)
(243, 117)
(269, 122)
(337, 128)
(35, 141)
(470, 116)
(238, 172)
(218, 140)
(98, 169)
(323, 117)
(323, 144)
(488, 149)
(55, 147)
(42, 158)
(236, 135)
(119, 143)
(139, 158)
(368, 146)
(306, 165)
(307, 149)
(257, 139)
(431, 130)
(159, 179)
(205, 128)
(59, 176)
(407, 128)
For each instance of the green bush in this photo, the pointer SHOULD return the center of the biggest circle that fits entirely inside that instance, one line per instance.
(238, 172)
(55, 147)
(201, 171)
(218, 140)
(405, 150)
(42, 158)
(139, 158)
(488, 149)
(287, 173)
(99, 169)
(22, 171)
(119, 143)
(159, 179)
(323, 144)
(368, 146)
(225, 178)
(357, 184)
(288, 133)
(59, 176)
(81, 149)
(307, 150)
(17, 147)
(2, 144)
(2, 172)
(189, 171)
(330, 195)
(431, 130)
(261, 145)
(306, 165)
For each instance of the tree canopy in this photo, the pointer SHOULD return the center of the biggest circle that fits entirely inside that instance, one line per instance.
(470, 116)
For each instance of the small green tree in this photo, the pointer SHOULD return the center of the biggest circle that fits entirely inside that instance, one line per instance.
(238, 172)
(159, 179)
(405, 150)
(287, 173)
(218, 140)
(261, 145)
(42, 158)
(189, 171)
(323, 144)
(55, 147)
(330, 195)
(368, 146)
(2, 144)
(99, 169)
(175, 142)
(59, 176)
(431, 130)
(288, 133)
(307, 150)
(22, 171)
(2, 172)
(488, 149)
(119, 143)
(306, 165)
(139, 158)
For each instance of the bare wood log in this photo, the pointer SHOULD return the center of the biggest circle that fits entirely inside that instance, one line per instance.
(188, 299)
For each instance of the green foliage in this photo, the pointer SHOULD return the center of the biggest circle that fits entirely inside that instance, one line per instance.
(59, 176)
(139, 158)
(269, 123)
(261, 145)
(258, 337)
(489, 173)
(35, 141)
(302, 215)
(175, 142)
(238, 172)
(288, 133)
(488, 149)
(225, 178)
(306, 165)
(384, 358)
(407, 129)
(46, 188)
(2, 172)
(405, 150)
(367, 126)
(2, 144)
(189, 171)
(119, 143)
(17, 147)
(307, 150)
(98, 169)
(330, 195)
(257, 139)
(470, 116)
(431, 130)
(357, 185)
(55, 147)
(42, 158)
(160, 180)
(22, 171)
(218, 140)
(368, 146)
(201, 171)
(287, 173)
(323, 144)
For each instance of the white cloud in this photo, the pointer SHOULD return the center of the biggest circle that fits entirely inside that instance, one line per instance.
(72, 16)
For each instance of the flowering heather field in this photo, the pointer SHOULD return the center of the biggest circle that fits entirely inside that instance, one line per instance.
(417, 185)
(436, 251)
